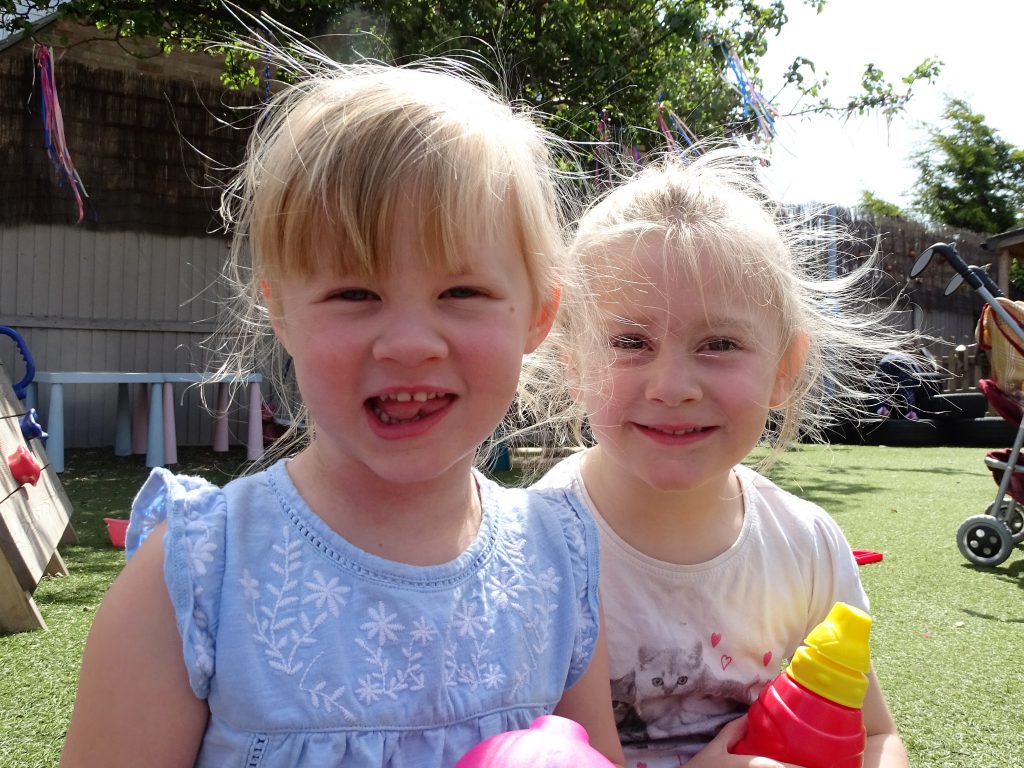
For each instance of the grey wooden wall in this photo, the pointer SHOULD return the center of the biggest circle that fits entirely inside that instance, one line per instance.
(111, 301)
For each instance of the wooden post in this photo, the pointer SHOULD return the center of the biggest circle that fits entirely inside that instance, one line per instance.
(1004, 271)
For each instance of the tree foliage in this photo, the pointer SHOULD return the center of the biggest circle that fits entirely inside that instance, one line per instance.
(571, 58)
(876, 206)
(969, 176)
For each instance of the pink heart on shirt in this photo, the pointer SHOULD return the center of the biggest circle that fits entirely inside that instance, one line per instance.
(726, 660)
(767, 658)
(715, 639)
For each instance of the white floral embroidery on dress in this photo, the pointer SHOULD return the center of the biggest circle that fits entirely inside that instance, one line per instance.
(200, 550)
(284, 636)
(287, 616)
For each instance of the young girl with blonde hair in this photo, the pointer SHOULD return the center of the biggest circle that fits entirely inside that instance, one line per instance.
(373, 600)
(709, 324)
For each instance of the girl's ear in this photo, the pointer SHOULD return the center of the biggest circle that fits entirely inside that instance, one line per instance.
(273, 311)
(545, 319)
(788, 371)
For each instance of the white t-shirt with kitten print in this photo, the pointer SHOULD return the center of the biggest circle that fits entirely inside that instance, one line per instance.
(691, 646)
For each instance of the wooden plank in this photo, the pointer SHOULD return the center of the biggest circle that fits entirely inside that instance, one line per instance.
(55, 491)
(10, 407)
(56, 566)
(39, 265)
(9, 244)
(31, 522)
(70, 270)
(18, 611)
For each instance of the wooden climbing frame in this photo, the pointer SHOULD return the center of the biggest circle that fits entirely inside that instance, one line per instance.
(34, 520)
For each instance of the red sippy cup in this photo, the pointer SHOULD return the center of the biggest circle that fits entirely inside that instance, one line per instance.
(810, 714)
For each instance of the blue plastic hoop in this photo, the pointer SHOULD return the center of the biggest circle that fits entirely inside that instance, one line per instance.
(30, 366)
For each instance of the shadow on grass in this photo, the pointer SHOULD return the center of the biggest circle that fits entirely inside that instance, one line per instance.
(836, 497)
(989, 617)
(1012, 573)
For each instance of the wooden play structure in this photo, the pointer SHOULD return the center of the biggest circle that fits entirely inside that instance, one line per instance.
(35, 513)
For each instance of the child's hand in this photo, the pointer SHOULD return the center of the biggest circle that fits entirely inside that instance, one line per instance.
(717, 755)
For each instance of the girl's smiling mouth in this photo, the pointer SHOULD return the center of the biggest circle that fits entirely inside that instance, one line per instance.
(408, 406)
(674, 434)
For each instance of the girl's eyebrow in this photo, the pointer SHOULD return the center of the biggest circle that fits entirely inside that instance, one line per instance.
(716, 323)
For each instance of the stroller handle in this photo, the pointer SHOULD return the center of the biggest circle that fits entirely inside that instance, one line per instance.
(976, 277)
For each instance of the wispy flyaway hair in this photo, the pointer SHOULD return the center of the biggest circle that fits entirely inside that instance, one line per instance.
(712, 210)
(342, 147)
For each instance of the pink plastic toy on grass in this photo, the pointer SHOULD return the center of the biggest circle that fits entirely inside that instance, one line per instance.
(550, 742)
(810, 714)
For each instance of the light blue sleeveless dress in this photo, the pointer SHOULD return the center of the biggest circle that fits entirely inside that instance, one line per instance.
(310, 651)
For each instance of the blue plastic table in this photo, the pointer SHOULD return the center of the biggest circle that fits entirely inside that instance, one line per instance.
(149, 430)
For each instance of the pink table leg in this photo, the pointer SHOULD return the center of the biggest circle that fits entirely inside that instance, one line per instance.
(255, 437)
(140, 419)
(170, 430)
(220, 419)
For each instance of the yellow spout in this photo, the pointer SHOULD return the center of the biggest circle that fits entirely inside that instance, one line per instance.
(836, 657)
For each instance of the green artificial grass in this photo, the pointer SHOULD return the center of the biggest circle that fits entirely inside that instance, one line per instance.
(947, 636)
(947, 640)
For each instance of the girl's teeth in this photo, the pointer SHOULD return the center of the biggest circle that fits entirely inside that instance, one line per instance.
(406, 413)
(405, 397)
(388, 420)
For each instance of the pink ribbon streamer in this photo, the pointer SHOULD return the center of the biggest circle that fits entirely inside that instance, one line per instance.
(53, 128)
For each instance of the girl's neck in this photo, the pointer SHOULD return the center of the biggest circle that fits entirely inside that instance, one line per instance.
(424, 523)
(685, 527)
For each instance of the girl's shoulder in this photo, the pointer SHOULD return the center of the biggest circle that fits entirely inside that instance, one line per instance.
(789, 516)
(194, 513)
(167, 497)
(548, 512)
(564, 474)
(184, 500)
(785, 520)
(778, 500)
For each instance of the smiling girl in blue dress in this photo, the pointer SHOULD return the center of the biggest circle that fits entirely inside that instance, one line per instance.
(373, 600)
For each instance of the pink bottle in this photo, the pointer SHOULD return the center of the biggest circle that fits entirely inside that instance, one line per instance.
(810, 714)
(550, 742)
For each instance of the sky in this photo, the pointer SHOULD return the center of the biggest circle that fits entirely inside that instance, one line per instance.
(824, 159)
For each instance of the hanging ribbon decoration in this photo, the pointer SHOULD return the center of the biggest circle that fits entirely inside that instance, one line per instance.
(753, 100)
(601, 150)
(53, 128)
(667, 116)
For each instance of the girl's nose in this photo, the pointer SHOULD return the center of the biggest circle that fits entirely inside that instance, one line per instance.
(409, 338)
(672, 379)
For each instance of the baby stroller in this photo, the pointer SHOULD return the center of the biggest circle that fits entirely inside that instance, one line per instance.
(989, 539)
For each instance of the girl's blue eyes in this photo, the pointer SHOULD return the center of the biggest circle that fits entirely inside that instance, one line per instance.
(355, 294)
(363, 294)
(628, 342)
(721, 345)
(461, 292)
(637, 343)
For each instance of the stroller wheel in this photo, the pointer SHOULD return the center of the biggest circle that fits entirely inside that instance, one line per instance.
(1010, 512)
(984, 540)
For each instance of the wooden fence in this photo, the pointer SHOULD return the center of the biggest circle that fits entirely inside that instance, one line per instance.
(110, 301)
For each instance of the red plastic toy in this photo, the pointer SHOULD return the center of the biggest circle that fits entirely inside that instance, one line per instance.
(550, 742)
(24, 467)
(810, 714)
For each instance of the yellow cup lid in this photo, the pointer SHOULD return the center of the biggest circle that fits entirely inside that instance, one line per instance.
(836, 657)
